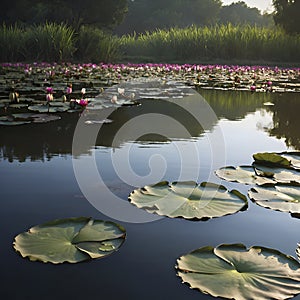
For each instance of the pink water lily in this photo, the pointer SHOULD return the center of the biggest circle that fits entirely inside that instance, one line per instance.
(49, 90)
(83, 102)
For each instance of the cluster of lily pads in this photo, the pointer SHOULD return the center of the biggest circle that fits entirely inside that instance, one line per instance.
(231, 271)
(276, 177)
(253, 78)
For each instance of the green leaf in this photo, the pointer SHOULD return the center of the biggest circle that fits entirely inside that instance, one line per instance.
(243, 174)
(282, 198)
(280, 175)
(271, 159)
(235, 272)
(188, 200)
(70, 240)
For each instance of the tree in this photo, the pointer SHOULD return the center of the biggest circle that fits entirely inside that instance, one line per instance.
(287, 15)
(101, 13)
(147, 15)
(240, 13)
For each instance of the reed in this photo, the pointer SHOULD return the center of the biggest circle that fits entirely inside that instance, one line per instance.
(219, 42)
(95, 45)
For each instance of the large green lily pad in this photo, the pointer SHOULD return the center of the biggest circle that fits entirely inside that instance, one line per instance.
(280, 175)
(272, 159)
(70, 240)
(235, 272)
(282, 198)
(243, 174)
(188, 200)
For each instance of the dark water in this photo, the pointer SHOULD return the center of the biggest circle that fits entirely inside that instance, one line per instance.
(38, 184)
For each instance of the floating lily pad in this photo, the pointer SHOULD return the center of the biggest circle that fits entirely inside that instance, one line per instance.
(235, 272)
(70, 240)
(243, 174)
(282, 198)
(188, 200)
(45, 108)
(271, 159)
(35, 118)
(293, 157)
(280, 175)
(10, 121)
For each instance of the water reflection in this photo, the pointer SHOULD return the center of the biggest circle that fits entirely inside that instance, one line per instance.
(43, 141)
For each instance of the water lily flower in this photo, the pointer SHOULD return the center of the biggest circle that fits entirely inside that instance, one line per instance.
(83, 102)
(83, 91)
(14, 96)
(49, 97)
(252, 88)
(69, 89)
(49, 90)
(121, 91)
(114, 99)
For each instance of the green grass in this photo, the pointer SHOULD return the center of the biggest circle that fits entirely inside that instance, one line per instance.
(219, 43)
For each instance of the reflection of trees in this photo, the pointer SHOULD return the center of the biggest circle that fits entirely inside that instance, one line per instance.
(234, 105)
(43, 141)
(286, 119)
(38, 141)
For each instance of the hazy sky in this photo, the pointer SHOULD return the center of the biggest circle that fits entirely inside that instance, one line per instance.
(260, 4)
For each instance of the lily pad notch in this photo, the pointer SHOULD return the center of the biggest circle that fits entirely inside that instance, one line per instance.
(70, 240)
(188, 200)
(232, 271)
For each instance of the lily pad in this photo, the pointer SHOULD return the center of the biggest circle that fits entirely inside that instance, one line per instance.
(47, 109)
(282, 198)
(188, 200)
(10, 121)
(243, 174)
(235, 272)
(280, 175)
(271, 159)
(70, 240)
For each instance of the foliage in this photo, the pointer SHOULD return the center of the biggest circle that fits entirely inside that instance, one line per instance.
(235, 272)
(188, 200)
(225, 42)
(103, 13)
(282, 198)
(239, 13)
(145, 15)
(287, 14)
(70, 240)
(95, 45)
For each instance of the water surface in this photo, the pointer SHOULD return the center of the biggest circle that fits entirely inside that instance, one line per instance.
(38, 184)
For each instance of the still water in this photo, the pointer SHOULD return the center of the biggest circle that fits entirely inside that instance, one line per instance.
(38, 184)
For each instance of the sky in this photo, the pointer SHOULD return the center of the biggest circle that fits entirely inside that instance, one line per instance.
(262, 5)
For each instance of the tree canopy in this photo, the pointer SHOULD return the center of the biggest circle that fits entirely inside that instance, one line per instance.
(102, 13)
(148, 15)
(287, 14)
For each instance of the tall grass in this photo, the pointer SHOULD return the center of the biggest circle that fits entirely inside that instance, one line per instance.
(219, 42)
(96, 45)
(50, 42)
(12, 43)
(223, 43)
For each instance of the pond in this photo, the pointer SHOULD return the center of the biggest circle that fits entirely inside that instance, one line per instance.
(38, 183)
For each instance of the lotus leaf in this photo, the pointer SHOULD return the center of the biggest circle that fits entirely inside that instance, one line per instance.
(47, 109)
(235, 272)
(10, 121)
(272, 159)
(282, 198)
(293, 157)
(70, 240)
(280, 175)
(188, 200)
(243, 174)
